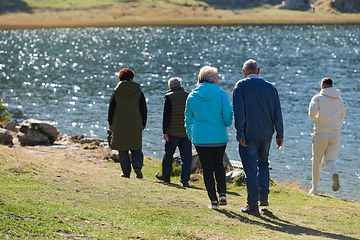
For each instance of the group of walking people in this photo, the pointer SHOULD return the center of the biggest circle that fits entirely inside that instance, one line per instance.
(201, 118)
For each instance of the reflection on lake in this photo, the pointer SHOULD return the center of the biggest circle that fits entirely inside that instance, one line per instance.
(66, 76)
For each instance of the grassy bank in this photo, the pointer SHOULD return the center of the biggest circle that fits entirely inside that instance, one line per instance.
(40, 14)
(55, 193)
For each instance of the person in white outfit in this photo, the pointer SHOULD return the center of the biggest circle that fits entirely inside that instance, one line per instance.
(327, 109)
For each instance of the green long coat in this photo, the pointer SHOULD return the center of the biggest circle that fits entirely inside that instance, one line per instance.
(127, 121)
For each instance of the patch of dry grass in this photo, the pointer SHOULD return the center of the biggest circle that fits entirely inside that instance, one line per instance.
(167, 13)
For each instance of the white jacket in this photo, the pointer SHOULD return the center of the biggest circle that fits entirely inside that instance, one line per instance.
(327, 109)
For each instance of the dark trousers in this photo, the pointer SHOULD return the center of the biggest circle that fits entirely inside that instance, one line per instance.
(184, 145)
(211, 159)
(134, 157)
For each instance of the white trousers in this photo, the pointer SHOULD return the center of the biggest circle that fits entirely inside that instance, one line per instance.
(324, 146)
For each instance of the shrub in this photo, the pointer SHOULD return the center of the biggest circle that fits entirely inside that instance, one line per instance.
(4, 114)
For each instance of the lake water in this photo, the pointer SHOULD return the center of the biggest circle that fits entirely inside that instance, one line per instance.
(66, 76)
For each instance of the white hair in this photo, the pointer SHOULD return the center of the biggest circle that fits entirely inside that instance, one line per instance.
(174, 82)
(207, 74)
(250, 65)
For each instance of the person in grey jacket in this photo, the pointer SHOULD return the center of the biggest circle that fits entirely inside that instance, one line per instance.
(257, 113)
(174, 133)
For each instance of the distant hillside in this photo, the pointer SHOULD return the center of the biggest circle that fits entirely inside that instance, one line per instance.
(350, 6)
(15, 14)
(25, 5)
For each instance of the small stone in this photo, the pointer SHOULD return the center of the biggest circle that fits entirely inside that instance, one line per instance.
(5, 136)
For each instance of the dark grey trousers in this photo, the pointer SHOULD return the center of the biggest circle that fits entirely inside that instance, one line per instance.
(134, 157)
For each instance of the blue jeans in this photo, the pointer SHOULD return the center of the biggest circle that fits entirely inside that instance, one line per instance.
(137, 160)
(211, 159)
(184, 145)
(254, 158)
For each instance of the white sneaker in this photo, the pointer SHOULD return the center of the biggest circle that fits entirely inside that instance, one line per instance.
(336, 184)
(313, 192)
(222, 199)
(214, 205)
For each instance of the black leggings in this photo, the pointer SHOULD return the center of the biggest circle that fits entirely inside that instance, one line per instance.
(211, 159)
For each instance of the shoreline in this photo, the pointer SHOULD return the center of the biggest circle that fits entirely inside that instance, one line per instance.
(136, 15)
(183, 23)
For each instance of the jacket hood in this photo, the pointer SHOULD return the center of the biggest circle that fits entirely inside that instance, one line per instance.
(206, 91)
(330, 92)
(127, 88)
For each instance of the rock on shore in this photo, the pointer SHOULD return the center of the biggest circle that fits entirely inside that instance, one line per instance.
(29, 132)
(5, 136)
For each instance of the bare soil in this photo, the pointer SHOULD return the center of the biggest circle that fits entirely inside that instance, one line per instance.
(95, 151)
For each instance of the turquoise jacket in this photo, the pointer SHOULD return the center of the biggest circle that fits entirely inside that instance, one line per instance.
(208, 113)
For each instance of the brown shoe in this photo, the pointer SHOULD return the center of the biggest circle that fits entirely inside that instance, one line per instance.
(336, 184)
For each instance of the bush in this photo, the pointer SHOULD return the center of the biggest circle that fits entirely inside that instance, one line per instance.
(4, 114)
(176, 170)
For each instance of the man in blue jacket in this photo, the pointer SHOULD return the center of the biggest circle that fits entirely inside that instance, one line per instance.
(257, 114)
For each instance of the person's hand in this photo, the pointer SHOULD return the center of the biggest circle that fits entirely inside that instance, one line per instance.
(110, 127)
(166, 137)
(143, 127)
(242, 142)
(279, 142)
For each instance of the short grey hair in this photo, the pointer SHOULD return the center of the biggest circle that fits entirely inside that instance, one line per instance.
(174, 82)
(207, 74)
(250, 65)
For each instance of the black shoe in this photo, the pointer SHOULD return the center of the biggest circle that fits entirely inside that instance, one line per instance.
(185, 184)
(251, 209)
(161, 177)
(222, 199)
(214, 205)
(264, 199)
(138, 173)
(123, 175)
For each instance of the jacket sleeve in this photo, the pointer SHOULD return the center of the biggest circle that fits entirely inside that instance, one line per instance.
(143, 109)
(111, 110)
(239, 111)
(189, 119)
(314, 107)
(343, 111)
(167, 114)
(278, 120)
(227, 111)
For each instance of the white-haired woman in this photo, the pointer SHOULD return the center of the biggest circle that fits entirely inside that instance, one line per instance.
(208, 113)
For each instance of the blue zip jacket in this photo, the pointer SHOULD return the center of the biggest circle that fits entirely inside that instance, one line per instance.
(208, 113)
(257, 109)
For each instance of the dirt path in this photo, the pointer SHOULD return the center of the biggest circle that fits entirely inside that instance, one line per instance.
(95, 150)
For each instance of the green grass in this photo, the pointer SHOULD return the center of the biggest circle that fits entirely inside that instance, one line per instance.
(47, 194)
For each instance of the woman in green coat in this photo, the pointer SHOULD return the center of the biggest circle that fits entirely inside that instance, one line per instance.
(127, 117)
